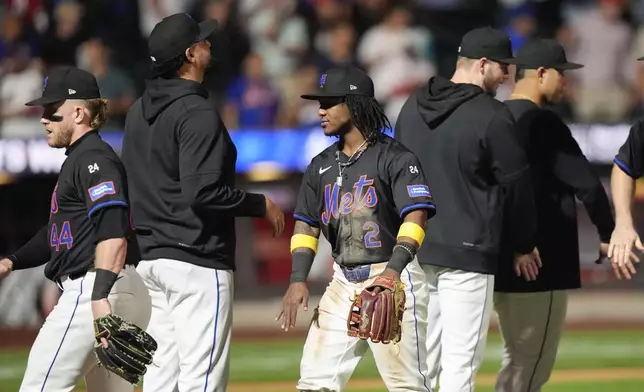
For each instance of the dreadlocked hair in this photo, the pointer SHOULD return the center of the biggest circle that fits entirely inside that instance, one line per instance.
(368, 116)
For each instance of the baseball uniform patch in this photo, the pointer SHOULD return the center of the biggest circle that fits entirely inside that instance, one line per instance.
(102, 189)
(418, 191)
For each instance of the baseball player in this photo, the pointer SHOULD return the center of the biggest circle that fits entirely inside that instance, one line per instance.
(628, 166)
(180, 162)
(367, 194)
(88, 243)
(532, 313)
(465, 140)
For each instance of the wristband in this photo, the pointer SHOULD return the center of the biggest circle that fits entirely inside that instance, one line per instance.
(14, 260)
(413, 231)
(402, 255)
(302, 262)
(103, 283)
(304, 241)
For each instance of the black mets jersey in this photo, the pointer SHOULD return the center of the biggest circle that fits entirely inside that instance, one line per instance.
(91, 179)
(359, 207)
(630, 157)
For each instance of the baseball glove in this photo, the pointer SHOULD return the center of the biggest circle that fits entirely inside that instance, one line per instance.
(129, 349)
(378, 316)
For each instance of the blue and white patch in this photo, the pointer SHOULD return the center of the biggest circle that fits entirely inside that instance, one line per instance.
(418, 191)
(103, 189)
(322, 80)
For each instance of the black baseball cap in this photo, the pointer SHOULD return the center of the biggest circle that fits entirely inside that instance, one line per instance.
(546, 53)
(65, 82)
(343, 81)
(176, 33)
(487, 42)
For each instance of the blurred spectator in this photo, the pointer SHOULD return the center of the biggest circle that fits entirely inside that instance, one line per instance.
(114, 83)
(22, 82)
(62, 39)
(14, 35)
(297, 112)
(329, 14)
(252, 101)
(152, 11)
(600, 39)
(398, 57)
(341, 48)
(229, 47)
(279, 36)
(367, 13)
(521, 25)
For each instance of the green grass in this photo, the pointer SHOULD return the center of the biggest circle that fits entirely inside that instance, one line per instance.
(279, 360)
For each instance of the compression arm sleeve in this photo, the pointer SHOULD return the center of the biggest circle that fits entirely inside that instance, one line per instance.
(34, 253)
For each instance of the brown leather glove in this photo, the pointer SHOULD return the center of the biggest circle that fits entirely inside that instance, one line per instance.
(378, 315)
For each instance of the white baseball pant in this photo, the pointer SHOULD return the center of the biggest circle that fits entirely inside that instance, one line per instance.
(330, 356)
(63, 349)
(460, 307)
(191, 322)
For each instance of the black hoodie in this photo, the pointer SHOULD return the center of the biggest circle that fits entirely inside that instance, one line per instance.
(180, 163)
(466, 143)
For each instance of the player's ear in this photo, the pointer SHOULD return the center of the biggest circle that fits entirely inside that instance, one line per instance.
(79, 114)
(190, 54)
(541, 74)
(481, 65)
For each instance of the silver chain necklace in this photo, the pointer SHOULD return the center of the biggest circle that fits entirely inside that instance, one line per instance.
(343, 166)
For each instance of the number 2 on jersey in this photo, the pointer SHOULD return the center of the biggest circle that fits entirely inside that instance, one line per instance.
(63, 238)
(371, 237)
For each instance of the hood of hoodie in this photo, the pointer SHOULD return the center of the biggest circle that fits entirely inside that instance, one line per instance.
(441, 97)
(161, 93)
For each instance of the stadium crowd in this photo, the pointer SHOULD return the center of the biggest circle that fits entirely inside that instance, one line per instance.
(269, 52)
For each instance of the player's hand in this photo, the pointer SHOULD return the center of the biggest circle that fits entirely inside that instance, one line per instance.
(100, 309)
(274, 215)
(528, 265)
(389, 273)
(620, 253)
(297, 293)
(6, 266)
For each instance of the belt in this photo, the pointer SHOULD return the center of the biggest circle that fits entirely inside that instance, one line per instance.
(76, 275)
(356, 273)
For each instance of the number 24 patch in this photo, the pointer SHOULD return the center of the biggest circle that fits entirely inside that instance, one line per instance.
(418, 191)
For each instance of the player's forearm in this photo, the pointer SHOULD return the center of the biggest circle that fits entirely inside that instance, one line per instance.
(110, 254)
(110, 258)
(304, 245)
(34, 253)
(622, 189)
(410, 237)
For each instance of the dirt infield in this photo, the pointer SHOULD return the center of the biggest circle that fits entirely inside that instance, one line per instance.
(483, 380)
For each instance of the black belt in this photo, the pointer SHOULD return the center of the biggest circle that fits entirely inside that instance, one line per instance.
(76, 275)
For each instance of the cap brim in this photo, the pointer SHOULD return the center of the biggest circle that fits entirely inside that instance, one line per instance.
(44, 101)
(315, 97)
(207, 28)
(510, 60)
(640, 59)
(569, 66)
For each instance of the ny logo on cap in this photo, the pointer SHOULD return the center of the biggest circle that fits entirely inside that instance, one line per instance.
(322, 80)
